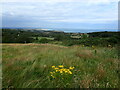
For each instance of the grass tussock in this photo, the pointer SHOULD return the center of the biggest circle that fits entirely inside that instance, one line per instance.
(29, 66)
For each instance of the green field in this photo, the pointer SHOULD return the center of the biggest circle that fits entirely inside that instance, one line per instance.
(29, 66)
(39, 38)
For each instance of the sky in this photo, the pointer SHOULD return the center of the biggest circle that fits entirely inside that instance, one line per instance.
(69, 14)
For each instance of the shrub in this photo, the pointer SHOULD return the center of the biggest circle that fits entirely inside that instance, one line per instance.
(43, 40)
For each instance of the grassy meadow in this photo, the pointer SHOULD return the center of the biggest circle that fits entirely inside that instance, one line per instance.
(29, 66)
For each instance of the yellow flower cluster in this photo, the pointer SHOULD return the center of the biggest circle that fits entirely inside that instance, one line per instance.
(61, 70)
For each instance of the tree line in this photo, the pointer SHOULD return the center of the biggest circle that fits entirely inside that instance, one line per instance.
(88, 39)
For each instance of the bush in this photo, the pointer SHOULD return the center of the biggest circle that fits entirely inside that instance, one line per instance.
(113, 40)
(43, 40)
(23, 38)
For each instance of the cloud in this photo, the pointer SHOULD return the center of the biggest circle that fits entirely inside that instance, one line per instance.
(97, 21)
(59, 0)
(65, 11)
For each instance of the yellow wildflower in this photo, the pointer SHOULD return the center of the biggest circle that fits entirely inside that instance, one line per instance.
(71, 67)
(70, 72)
(52, 76)
(53, 66)
(61, 71)
(56, 68)
(51, 72)
(66, 71)
(61, 66)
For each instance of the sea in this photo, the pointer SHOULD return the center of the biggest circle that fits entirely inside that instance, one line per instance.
(86, 30)
(70, 30)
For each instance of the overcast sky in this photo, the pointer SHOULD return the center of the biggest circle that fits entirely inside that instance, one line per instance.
(83, 14)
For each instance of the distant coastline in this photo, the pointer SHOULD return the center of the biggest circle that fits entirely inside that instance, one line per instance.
(64, 29)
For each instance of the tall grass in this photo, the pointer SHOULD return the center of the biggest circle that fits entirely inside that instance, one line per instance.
(29, 66)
